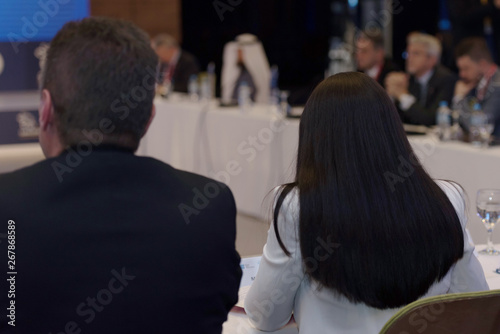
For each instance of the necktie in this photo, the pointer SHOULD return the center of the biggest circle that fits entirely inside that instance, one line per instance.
(423, 94)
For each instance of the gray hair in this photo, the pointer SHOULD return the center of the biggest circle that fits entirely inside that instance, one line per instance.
(165, 40)
(430, 42)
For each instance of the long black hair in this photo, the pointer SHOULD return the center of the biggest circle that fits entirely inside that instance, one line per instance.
(361, 186)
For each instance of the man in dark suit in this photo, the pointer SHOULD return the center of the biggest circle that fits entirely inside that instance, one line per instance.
(102, 241)
(370, 56)
(418, 93)
(479, 82)
(176, 65)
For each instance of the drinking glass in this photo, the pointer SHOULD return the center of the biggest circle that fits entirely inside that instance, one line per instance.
(488, 208)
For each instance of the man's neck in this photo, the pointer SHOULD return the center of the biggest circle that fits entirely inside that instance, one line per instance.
(424, 75)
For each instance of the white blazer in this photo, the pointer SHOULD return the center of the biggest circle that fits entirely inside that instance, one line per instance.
(281, 288)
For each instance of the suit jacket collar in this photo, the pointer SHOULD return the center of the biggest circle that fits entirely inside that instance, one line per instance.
(88, 149)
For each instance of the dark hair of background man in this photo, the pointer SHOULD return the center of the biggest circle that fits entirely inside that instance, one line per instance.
(91, 79)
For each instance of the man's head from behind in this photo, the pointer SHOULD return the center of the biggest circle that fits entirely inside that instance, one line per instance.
(473, 59)
(424, 52)
(98, 85)
(369, 49)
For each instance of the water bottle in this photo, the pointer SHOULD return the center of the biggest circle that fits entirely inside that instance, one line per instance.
(193, 87)
(443, 121)
(456, 130)
(478, 122)
(205, 88)
(285, 108)
(244, 96)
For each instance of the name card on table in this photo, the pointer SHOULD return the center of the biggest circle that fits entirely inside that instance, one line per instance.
(249, 267)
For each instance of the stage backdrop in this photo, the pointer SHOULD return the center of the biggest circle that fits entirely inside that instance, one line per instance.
(26, 27)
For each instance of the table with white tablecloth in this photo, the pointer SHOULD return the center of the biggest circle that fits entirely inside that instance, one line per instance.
(251, 152)
(255, 151)
(472, 167)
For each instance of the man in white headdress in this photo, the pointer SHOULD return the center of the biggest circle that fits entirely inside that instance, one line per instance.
(245, 60)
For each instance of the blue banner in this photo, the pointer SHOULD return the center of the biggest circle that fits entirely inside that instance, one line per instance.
(25, 26)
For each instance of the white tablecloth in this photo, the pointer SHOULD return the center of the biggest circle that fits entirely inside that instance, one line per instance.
(256, 151)
(16, 156)
(473, 168)
(251, 152)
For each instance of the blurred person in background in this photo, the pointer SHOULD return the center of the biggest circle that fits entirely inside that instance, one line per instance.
(370, 56)
(418, 92)
(479, 81)
(176, 65)
(245, 61)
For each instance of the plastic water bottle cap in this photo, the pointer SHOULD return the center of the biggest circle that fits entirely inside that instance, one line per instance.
(443, 104)
(477, 106)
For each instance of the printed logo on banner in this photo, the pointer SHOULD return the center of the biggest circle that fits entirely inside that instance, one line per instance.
(28, 125)
(41, 54)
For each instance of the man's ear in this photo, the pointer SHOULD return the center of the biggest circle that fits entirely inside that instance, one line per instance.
(45, 111)
(153, 114)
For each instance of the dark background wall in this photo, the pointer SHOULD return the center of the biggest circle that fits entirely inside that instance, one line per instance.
(154, 16)
(295, 33)
(421, 15)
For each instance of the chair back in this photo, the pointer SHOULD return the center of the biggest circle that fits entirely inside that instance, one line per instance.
(472, 312)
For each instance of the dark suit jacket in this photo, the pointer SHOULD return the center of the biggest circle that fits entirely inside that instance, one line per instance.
(187, 65)
(108, 249)
(388, 67)
(490, 105)
(439, 88)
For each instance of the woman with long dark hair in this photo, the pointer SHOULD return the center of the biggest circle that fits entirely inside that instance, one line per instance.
(363, 230)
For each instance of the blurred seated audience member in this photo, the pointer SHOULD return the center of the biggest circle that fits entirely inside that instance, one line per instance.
(245, 60)
(418, 92)
(479, 81)
(370, 56)
(176, 65)
(113, 242)
(351, 245)
(476, 18)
